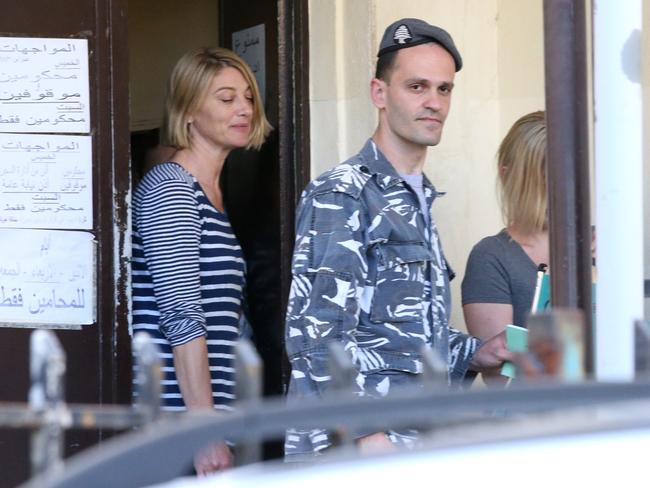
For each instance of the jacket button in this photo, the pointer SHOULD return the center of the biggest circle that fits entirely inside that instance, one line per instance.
(364, 169)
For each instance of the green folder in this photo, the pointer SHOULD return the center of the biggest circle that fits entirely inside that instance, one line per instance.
(544, 302)
(516, 341)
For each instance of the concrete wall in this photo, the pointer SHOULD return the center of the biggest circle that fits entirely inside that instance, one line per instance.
(342, 36)
(502, 78)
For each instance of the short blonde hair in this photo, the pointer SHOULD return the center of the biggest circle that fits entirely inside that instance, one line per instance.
(188, 85)
(522, 174)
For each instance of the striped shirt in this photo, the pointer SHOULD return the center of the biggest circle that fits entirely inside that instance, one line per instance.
(188, 276)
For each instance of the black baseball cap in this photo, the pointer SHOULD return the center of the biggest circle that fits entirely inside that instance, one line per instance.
(412, 32)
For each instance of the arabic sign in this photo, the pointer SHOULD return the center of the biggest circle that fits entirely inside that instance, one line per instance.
(46, 181)
(46, 278)
(250, 44)
(44, 85)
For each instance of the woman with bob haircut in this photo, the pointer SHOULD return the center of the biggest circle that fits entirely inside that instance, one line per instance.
(501, 272)
(188, 268)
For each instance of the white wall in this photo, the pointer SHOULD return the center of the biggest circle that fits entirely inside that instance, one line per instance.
(645, 73)
(502, 46)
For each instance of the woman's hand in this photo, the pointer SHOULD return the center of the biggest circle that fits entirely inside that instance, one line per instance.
(377, 443)
(214, 458)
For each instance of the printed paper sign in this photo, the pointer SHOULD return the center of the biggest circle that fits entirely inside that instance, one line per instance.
(46, 278)
(45, 181)
(250, 45)
(44, 85)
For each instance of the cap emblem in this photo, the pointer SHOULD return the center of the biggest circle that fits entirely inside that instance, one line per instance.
(402, 35)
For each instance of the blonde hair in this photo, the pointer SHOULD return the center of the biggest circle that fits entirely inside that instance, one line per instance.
(522, 174)
(188, 85)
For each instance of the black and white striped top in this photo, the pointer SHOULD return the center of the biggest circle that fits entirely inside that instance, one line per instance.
(187, 275)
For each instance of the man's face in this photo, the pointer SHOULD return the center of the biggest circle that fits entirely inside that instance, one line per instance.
(414, 103)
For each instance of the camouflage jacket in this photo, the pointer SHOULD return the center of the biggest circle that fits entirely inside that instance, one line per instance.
(370, 273)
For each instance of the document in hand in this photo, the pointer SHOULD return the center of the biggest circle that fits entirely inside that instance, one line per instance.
(517, 341)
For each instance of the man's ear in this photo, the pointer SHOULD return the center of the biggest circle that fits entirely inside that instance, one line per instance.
(378, 92)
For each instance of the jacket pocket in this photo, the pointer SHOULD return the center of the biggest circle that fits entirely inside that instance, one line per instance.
(397, 371)
(399, 287)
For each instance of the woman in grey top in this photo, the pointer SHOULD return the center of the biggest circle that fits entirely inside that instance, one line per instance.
(499, 281)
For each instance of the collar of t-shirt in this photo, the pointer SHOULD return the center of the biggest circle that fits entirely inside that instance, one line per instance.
(416, 182)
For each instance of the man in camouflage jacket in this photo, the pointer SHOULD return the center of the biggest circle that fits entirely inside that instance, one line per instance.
(368, 268)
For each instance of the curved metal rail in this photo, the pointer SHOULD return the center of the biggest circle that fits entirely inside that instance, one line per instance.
(163, 450)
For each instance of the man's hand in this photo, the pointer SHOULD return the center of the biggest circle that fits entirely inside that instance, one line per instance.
(215, 457)
(491, 354)
(376, 443)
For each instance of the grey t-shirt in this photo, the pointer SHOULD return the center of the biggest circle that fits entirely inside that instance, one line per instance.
(499, 271)
(417, 183)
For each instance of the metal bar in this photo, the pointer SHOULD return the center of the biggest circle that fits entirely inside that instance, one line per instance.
(435, 373)
(19, 416)
(556, 339)
(342, 380)
(248, 391)
(47, 367)
(148, 376)
(342, 371)
(641, 349)
(568, 158)
(113, 417)
(248, 372)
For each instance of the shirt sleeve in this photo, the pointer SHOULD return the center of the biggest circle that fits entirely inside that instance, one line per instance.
(329, 273)
(486, 279)
(168, 222)
(462, 348)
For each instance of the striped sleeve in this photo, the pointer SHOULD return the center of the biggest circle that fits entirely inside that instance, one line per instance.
(168, 221)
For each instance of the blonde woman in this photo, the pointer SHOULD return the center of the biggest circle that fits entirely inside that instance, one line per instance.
(188, 268)
(499, 281)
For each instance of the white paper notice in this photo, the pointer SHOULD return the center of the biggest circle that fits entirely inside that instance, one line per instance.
(250, 44)
(46, 278)
(46, 181)
(44, 85)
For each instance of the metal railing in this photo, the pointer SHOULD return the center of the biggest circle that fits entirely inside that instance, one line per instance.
(134, 459)
(163, 450)
(47, 415)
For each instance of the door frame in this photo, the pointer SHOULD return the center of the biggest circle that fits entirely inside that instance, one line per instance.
(294, 127)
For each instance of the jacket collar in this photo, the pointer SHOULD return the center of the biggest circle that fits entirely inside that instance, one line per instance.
(376, 164)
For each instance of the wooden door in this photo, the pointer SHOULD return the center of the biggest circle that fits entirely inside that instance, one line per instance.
(98, 357)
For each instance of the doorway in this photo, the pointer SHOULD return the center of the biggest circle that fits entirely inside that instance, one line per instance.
(260, 187)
